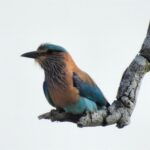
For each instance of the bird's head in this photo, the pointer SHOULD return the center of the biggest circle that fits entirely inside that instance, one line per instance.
(44, 51)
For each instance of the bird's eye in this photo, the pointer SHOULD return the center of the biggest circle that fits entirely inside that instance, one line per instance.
(49, 52)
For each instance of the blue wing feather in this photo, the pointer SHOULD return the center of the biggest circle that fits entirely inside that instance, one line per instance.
(91, 92)
(45, 88)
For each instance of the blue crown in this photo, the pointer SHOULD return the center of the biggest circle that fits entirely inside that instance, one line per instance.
(51, 47)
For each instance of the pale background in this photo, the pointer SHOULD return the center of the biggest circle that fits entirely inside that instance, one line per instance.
(103, 36)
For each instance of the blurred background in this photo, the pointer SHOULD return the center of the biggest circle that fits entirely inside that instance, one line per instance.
(103, 36)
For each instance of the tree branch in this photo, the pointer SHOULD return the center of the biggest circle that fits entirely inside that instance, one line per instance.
(121, 109)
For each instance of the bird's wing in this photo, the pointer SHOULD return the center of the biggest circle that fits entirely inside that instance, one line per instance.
(46, 92)
(87, 88)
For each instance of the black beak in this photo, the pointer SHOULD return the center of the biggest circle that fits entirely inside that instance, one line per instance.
(33, 54)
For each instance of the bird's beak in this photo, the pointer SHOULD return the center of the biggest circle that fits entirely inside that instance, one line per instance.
(33, 54)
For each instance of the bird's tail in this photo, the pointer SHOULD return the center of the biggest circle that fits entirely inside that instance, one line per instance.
(107, 105)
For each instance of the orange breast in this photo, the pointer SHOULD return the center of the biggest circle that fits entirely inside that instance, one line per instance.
(63, 96)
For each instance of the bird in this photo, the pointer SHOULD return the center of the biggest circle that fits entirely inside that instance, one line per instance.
(66, 86)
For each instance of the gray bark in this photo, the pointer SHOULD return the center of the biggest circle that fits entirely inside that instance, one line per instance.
(120, 111)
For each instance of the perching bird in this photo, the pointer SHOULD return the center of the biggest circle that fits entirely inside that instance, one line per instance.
(66, 87)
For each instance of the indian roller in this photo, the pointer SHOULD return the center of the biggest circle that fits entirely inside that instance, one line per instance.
(66, 87)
